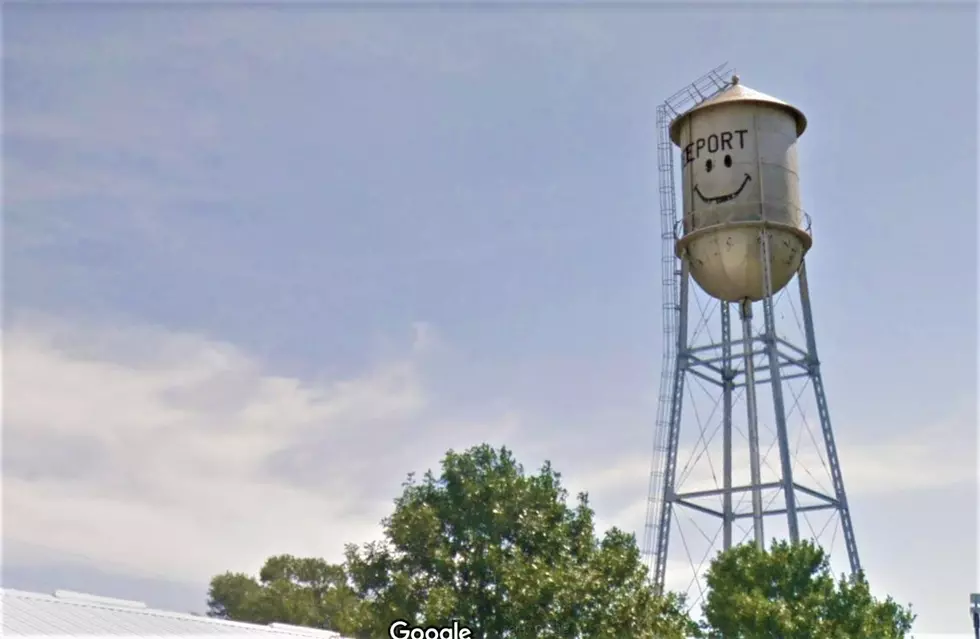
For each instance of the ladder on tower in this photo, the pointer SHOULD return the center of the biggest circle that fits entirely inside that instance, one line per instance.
(708, 85)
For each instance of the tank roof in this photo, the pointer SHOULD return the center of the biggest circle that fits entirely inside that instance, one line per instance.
(737, 93)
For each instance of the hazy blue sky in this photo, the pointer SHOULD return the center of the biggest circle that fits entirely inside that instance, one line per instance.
(260, 263)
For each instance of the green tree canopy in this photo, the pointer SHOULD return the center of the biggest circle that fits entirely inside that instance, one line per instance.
(504, 553)
(790, 592)
(484, 543)
(303, 592)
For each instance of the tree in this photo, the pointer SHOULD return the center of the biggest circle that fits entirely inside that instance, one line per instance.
(790, 592)
(503, 553)
(500, 551)
(303, 592)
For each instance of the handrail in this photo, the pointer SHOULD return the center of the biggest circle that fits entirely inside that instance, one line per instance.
(739, 213)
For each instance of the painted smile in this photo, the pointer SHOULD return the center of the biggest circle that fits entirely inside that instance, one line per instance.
(723, 198)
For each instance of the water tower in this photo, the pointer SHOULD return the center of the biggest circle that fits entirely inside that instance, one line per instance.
(742, 239)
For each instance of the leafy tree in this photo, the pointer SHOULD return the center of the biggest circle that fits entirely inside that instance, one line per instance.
(503, 553)
(303, 592)
(790, 592)
(483, 543)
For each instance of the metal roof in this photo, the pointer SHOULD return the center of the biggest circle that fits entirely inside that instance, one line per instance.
(71, 614)
(738, 92)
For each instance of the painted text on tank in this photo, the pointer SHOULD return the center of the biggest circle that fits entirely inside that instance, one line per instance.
(713, 143)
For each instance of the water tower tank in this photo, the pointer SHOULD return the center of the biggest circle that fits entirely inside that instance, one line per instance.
(739, 174)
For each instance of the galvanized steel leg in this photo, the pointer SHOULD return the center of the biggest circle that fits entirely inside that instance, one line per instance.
(775, 378)
(755, 469)
(676, 404)
(728, 375)
(828, 434)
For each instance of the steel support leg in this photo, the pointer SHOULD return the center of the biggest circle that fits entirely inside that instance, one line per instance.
(676, 404)
(728, 375)
(775, 378)
(828, 434)
(755, 469)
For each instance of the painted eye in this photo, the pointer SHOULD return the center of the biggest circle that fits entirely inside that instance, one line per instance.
(728, 160)
(708, 165)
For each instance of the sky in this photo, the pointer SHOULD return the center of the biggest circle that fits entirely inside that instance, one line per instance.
(262, 262)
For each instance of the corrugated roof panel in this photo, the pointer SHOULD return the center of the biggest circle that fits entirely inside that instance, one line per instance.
(75, 615)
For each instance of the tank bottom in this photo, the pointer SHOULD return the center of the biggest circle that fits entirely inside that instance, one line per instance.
(726, 260)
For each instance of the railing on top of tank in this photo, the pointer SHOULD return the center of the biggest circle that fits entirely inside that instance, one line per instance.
(737, 215)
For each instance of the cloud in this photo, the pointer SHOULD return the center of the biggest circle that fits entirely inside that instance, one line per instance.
(145, 138)
(257, 38)
(241, 49)
(181, 456)
(176, 455)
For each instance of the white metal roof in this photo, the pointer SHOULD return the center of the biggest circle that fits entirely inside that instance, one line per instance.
(71, 614)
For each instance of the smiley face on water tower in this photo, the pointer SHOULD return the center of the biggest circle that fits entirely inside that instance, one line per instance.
(717, 171)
